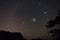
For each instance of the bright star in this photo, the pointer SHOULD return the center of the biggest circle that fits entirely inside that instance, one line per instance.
(34, 19)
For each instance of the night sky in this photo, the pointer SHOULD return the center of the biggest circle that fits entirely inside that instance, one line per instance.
(28, 16)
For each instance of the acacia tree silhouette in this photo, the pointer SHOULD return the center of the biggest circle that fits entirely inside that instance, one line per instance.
(51, 24)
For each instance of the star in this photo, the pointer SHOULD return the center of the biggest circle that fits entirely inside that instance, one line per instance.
(34, 19)
(45, 12)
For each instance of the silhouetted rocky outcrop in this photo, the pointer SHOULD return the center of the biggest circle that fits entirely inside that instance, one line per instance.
(5, 35)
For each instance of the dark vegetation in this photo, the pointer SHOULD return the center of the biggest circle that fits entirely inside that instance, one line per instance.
(54, 31)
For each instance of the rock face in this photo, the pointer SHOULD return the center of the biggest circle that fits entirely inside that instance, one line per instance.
(4, 35)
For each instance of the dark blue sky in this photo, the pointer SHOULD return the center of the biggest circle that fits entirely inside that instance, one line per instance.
(19, 15)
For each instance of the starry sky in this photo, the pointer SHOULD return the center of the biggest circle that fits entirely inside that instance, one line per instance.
(28, 16)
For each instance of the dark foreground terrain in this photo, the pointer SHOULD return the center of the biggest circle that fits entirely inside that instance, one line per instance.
(5, 35)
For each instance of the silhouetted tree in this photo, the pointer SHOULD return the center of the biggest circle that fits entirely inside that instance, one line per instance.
(53, 23)
(5, 35)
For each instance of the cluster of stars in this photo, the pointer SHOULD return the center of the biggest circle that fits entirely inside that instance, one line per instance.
(34, 19)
